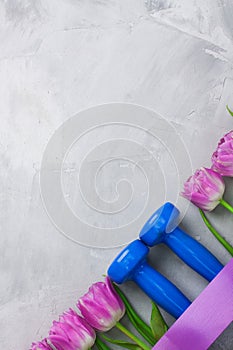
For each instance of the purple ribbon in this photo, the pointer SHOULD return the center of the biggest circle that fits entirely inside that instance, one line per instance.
(205, 319)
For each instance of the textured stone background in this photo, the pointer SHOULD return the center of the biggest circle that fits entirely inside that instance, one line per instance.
(60, 57)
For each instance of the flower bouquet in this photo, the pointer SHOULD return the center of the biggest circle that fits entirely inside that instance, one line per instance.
(199, 323)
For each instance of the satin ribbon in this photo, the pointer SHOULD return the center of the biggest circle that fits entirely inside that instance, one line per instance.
(205, 319)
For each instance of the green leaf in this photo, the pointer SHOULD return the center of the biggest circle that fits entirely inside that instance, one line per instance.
(122, 343)
(222, 240)
(231, 113)
(135, 319)
(158, 325)
(100, 344)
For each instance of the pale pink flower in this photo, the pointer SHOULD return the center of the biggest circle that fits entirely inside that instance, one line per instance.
(222, 158)
(72, 332)
(101, 306)
(204, 189)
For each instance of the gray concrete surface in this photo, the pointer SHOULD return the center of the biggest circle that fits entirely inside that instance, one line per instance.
(58, 58)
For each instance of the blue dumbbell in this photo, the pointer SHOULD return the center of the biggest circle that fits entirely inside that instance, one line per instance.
(131, 264)
(162, 228)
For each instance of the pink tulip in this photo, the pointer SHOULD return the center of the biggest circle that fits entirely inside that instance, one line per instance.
(101, 306)
(222, 158)
(40, 345)
(72, 332)
(204, 189)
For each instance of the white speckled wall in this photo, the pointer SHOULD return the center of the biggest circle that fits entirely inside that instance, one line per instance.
(60, 57)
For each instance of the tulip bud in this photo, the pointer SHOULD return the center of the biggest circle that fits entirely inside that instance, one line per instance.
(222, 158)
(204, 189)
(72, 332)
(101, 306)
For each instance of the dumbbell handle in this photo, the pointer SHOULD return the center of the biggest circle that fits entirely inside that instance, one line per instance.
(193, 254)
(161, 290)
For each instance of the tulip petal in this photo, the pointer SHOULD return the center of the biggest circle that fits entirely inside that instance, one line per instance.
(41, 345)
(222, 158)
(204, 188)
(101, 306)
(72, 332)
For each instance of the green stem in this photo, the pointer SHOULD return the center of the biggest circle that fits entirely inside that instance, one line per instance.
(231, 113)
(227, 245)
(100, 344)
(132, 336)
(141, 326)
(226, 205)
(148, 336)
